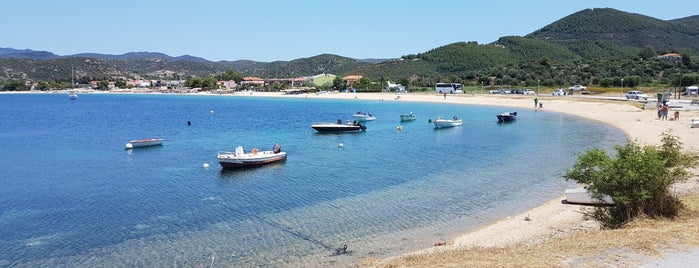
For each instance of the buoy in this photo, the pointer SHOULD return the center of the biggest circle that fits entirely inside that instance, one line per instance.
(212, 111)
(429, 120)
(340, 145)
(399, 128)
(206, 165)
(129, 146)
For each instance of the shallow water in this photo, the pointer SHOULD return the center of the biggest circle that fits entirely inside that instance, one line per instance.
(73, 196)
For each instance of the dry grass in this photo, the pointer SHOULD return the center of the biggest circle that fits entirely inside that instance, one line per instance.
(627, 247)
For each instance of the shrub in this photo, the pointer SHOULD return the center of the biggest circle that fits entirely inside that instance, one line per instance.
(638, 179)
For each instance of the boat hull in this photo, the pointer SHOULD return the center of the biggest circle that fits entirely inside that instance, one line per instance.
(441, 123)
(229, 160)
(338, 128)
(407, 118)
(507, 117)
(144, 143)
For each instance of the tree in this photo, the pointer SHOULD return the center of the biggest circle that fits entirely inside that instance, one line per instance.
(638, 179)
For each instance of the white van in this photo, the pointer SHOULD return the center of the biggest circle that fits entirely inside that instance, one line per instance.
(691, 91)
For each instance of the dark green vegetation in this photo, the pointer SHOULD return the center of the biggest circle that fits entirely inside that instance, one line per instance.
(638, 179)
(590, 47)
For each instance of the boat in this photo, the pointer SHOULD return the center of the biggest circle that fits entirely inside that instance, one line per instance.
(339, 126)
(445, 123)
(407, 117)
(363, 117)
(507, 117)
(144, 143)
(582, 196)
(240, 159)
(72, 94)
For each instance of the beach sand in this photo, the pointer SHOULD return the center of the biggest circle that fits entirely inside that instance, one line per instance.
(553, 218)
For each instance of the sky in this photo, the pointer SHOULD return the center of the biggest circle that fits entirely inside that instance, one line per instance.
(267, 30)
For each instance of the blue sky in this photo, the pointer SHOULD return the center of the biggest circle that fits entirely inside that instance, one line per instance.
(266, 30)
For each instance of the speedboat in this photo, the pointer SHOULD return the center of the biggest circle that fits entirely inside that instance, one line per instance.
(339, 127)
(363, 117)
(507, 117)
(445, 123)
(143, 143)
(407, 117)
(240, 159)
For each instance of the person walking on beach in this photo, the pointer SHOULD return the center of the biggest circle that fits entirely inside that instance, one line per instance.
(536, 102)
(445, 95)
(665, 111)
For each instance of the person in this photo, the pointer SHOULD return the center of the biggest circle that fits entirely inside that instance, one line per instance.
(660, 112)
(665, 111)
(536, 102)
(445, 95)
(677, 115)
(541, 104)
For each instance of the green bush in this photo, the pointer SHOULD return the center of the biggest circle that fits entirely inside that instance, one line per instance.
(638, 179)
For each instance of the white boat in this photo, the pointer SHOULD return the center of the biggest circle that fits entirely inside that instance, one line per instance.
(240, 159)
(339, 127)
(582, 196)
(73, 95)
(445, 123)
(507, 117)
(407, 117)
(144, 143)
(363, 117)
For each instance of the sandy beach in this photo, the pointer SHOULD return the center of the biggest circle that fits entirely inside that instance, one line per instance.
(553, 218)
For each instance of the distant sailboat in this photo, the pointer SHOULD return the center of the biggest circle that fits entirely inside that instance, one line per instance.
(72, 94)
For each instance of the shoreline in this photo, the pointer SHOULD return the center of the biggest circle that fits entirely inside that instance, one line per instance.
(553, 218)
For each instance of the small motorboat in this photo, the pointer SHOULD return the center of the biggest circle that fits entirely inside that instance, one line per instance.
(363, 117)
(407, 117)
(446, 123)
(143, 143)
(507, 117)
(240, 159)
(339, 126)
(73, 95)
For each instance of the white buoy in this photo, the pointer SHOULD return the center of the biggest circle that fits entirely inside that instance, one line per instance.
(212, 111)
(340, 145)
(129, 146)
(399, 128)
(206, 165)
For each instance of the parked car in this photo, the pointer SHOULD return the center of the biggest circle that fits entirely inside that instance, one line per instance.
(529, 91)
(559, 92)
(636, 95)
(578, 88)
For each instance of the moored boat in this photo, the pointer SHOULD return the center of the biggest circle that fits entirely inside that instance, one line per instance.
(363, 117)
(73, 95)
(446, 123)
(144, 143)
(507, 117)
(339, 127)
(407, 117)
(240, 159)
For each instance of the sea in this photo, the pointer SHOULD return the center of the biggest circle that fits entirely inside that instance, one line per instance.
(73, 196)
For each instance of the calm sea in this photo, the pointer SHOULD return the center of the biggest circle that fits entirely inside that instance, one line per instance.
(72, 196)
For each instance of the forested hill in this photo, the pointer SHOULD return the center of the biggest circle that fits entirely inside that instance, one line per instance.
(555, 54)
(606, 32)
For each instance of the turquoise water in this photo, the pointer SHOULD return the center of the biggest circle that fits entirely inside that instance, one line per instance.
(72, 196)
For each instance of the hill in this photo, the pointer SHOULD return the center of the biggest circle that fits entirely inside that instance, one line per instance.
(585, 47)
